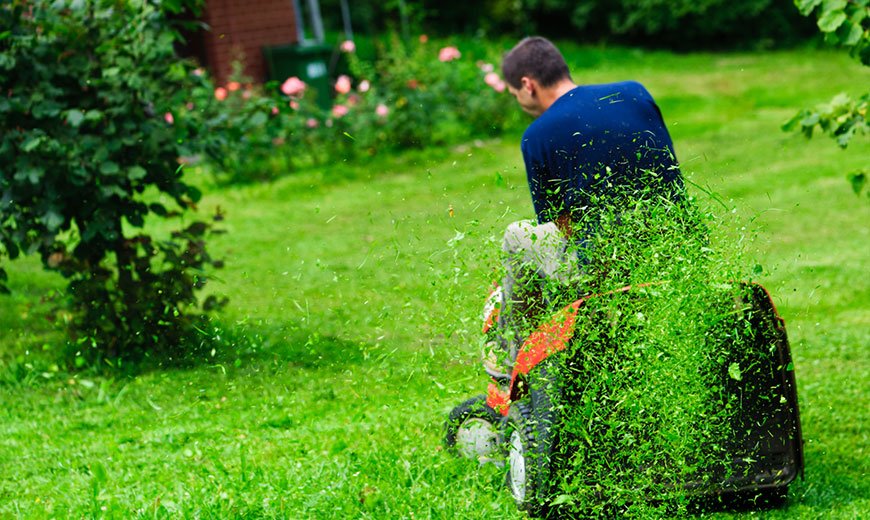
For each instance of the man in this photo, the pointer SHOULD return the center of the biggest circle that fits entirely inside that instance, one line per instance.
(587, 144)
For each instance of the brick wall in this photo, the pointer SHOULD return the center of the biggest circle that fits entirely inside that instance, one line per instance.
(242, 28)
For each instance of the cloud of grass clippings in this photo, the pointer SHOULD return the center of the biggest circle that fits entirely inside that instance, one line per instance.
(652, 403)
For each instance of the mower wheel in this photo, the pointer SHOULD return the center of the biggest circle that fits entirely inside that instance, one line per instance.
(472, 431)
(530, 439)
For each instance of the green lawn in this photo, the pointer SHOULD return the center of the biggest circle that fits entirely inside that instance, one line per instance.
(353, 319)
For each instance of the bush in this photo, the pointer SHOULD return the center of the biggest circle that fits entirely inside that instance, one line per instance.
(89, 151)
(845, 24)
(683, 24)
(412, 95)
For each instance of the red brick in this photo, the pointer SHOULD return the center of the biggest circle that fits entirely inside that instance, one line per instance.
(246, 25)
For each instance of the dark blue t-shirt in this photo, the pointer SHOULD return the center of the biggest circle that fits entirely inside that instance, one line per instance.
(591, 139)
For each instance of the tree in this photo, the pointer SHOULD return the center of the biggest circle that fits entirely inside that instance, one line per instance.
(845, 23)
(89, 151)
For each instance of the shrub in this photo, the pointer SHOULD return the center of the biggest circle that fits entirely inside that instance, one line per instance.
(412, 95)
(684, 24)
(245, 127)
(846, 24)
(89, 152)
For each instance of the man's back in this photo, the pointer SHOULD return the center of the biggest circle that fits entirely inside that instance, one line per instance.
(591, 139)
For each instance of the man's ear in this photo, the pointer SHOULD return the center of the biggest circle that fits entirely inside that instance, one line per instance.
(529, 84)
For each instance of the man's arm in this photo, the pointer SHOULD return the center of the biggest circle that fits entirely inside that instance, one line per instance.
(563, 222)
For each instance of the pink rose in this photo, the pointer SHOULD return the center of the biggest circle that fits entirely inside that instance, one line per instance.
(449, 54)
(491, 79)
(168, 118)
(233, 86)
(274, 111)
(189, 105)
(424, 38)
(500, 86)
(364, 86)
(293, 86)
(220, 93)
(342, 84)
(353, 100)
(198, 72)
(294, 104)
(339, 110)
(311, 123)
(347, 46)
(55, 259)
(382, 110)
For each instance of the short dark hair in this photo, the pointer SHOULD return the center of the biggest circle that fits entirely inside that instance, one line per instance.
(537, 58)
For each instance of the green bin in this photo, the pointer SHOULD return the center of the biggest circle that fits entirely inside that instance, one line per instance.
(308, 62)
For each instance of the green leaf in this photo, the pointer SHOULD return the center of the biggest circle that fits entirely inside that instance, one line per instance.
(834, 5)
(7, 61)
(136, 173)
(844, 138)
(831, 38)
(109, 168)
(53, 220)
(854, 35)
(831, 20)
(734, 372)
(807, 6)
(31, 144)
(46, 108)
(93, 115)
(158, 209)
(258, 119)
(99, 472)
(562, 499)
(32, 173)
(811, 119)
(194, 194)
(75, 117)
(858, 181)
(792, 123)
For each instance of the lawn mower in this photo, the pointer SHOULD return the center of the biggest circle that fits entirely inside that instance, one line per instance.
(524, 420)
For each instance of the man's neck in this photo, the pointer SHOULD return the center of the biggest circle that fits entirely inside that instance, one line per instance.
(549, 95)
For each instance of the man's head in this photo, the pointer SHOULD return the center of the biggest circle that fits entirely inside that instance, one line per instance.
(530, 69)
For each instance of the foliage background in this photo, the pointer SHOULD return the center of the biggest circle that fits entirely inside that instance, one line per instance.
(677, 24)
(89, 151)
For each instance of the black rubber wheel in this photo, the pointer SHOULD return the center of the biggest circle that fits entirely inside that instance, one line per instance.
(530, 439)
(473, 430)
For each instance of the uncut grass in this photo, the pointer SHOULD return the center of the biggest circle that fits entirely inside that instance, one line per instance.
(362, 296)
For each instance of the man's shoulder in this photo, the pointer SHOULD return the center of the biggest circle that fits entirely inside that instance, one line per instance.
(579, 102)
(632, 87)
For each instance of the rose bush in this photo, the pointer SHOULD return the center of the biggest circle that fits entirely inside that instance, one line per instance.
(94, 121)
(412, 95)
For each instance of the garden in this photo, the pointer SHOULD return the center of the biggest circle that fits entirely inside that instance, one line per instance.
(222, 300)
